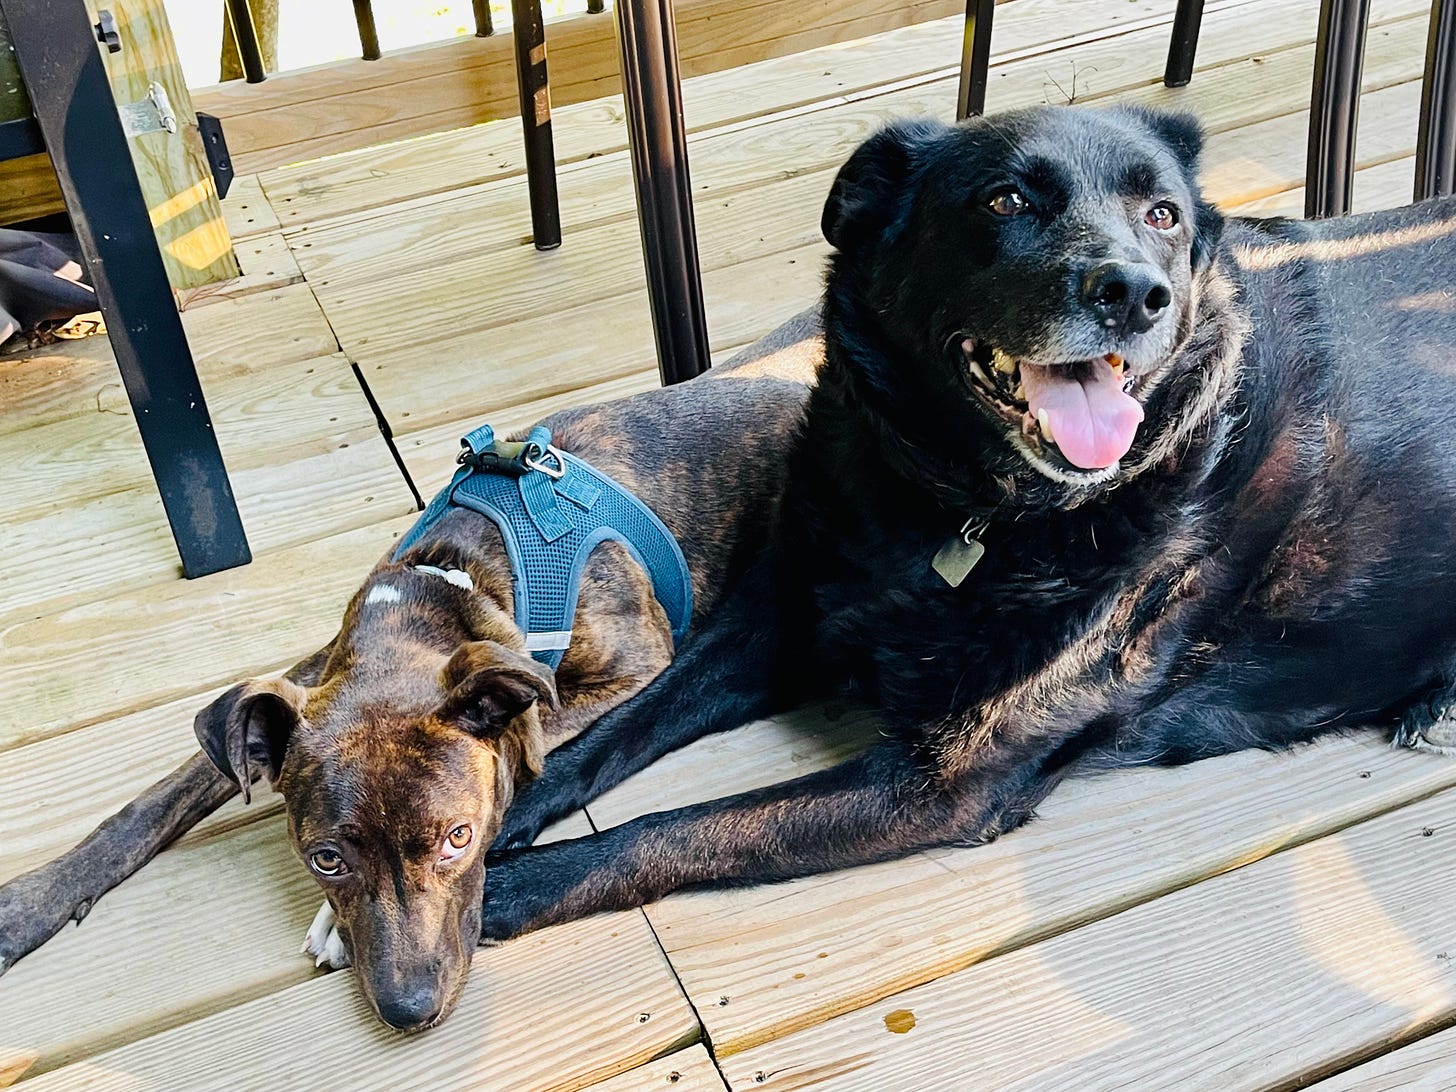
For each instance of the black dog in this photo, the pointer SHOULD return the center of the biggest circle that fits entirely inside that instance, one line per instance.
(1093, 478)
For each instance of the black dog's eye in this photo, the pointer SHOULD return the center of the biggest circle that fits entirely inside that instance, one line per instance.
(327, 862)
(1162, 217)
(1008, 203)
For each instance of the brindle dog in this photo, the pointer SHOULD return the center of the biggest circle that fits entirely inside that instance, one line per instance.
(1207, 465)
(399, 746)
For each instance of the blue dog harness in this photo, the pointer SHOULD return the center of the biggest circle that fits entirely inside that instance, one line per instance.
(553, 510)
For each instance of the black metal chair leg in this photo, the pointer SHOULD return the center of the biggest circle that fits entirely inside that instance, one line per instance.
(535, 88)
(250, 53)
(975, 59)
(71, 97)
(655, 133)
(1436, 143)
(484, 21)
(596, 7)
(1334, 107)
(368, 33)
(1184, 44)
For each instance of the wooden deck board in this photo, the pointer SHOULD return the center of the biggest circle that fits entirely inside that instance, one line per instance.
(1427, 1065)
(794, 954)
(1295, 875)
(1256, 979)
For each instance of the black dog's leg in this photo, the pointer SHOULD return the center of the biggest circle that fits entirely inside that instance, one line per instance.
(724, 677)
(886, 803)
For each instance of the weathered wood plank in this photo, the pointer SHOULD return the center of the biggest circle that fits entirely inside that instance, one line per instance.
(556, 1010)
(130, 649)
(451, 84)
(239, 336)
(246, 208)
(1427, 1065)
(1262, 978)
(451, 161)
(792, 955)
(285, 411)
(689, 1070)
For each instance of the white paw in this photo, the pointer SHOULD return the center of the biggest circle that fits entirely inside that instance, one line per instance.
(323, 941)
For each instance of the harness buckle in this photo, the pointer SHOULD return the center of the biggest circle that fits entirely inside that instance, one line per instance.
(533, 462)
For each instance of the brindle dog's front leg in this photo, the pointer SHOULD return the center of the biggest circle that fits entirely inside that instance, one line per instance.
(36, 905)
(886, 803)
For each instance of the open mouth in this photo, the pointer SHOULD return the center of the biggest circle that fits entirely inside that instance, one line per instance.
(1082, 411)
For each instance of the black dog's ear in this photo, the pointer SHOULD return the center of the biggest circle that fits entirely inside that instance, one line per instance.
(1182, 133)
(490, 685)
(1207, 231)
(246, 730)
(862, 202)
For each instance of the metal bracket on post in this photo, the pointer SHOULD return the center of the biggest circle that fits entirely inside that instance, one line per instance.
(652, 94)
(71, 97)
(214, 143)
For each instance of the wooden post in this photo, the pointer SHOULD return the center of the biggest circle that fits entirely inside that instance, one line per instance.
(175, 177)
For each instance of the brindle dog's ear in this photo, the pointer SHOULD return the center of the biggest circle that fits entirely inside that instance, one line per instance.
(247, 729)
(490, 685)
(862, 202)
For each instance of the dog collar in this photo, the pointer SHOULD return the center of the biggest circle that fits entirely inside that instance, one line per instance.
(553, 510)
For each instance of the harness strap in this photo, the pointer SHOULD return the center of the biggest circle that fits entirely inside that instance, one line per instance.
(552, 510)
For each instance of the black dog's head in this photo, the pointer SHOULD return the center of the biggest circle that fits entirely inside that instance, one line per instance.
(1021, 285)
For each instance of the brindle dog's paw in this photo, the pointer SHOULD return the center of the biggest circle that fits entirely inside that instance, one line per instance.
(323, 941)
(35, 906)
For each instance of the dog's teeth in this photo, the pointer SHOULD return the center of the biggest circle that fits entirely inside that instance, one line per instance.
(1019, 393)
(1044, 420)
(1004, 361)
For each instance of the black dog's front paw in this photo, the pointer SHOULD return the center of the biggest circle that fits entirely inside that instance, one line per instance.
(512, 902)
(544, 800)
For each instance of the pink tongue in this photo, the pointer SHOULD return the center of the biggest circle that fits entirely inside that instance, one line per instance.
(1093, 422)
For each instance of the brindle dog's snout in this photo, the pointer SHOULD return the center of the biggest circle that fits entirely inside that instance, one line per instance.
(412, 1004)
(1128, 297)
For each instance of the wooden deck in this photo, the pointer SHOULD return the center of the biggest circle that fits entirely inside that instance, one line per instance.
(1256, 921)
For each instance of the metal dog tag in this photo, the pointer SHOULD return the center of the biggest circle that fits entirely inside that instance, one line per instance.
(955, 560)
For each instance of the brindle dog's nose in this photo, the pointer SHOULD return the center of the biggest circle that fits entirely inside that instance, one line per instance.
(412, 1007)
(1126, 296)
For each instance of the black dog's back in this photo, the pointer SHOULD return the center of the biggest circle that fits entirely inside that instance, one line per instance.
(1349, 392)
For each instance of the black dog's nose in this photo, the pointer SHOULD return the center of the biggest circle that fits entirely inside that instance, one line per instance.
(411, 1007)
(1126, 296)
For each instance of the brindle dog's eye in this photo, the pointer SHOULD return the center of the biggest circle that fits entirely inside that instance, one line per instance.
(457, 841)
(327, 863)
(1162, 217)
(1008, 203)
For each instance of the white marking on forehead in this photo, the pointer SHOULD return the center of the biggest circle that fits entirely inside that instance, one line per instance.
(459, 577)
(383, 593)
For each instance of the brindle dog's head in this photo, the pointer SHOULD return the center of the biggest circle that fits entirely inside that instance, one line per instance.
(1013, 293)
(397, 770)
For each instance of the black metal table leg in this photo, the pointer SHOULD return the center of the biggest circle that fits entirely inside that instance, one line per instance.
(368, 32)
(596, 7)
(250, 53)
(535, 89)
(1184, 44)
(658, 139)
(72, 100)
(1436, 143)
(1334, 107)
(975, 59)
